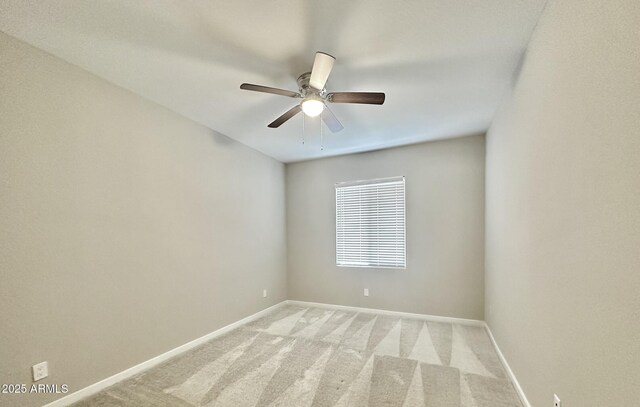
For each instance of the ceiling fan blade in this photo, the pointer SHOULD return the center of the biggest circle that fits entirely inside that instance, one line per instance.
(331, 120)
(322, 66)
(368, 98)
(286, 116)
(267, 89)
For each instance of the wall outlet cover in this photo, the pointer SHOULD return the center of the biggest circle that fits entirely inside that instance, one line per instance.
(40, 371)
(556, 401)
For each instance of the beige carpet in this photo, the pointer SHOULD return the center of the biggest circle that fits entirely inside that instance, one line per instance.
(306, 357)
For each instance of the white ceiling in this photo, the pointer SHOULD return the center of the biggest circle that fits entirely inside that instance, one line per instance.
(443, 64)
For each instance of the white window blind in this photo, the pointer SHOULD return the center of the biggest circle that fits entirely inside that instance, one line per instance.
(370, 223)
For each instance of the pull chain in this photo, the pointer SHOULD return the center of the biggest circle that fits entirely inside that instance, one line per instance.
(303, 116)
(321, 138)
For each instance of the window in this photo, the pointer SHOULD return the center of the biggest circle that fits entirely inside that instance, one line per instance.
(370, 223)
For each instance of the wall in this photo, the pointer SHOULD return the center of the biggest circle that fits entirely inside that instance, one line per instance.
(126, 230)
(563, 209)
(445, 230)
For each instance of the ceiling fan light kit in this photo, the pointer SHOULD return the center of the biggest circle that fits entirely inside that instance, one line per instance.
(312, 107)
(314, 95)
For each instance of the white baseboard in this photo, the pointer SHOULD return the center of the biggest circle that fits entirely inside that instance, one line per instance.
(461, 321)
(110, 381)
(512, 376)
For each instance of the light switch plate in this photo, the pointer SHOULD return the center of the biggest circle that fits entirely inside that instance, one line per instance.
(366, 292)
(264, 293)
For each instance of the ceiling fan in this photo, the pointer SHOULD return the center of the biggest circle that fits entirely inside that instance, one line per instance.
(314, 95)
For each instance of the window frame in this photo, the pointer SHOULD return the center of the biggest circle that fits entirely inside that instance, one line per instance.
(368, 182)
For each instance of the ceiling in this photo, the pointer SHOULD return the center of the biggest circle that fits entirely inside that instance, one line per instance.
(443, 64)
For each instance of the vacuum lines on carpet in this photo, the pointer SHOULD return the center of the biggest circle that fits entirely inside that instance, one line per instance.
(312, 357)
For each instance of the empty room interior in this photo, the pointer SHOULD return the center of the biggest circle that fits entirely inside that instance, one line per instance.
(306, 203)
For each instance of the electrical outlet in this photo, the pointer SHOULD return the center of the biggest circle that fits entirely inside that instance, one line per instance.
(40, 371)
(264, 293)
(556, 401)
(366, 292)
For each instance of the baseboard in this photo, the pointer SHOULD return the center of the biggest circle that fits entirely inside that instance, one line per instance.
(435, 318)
(110, 381)
(512, 376)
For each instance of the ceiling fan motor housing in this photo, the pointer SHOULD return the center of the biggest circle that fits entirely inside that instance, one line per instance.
(306, 89)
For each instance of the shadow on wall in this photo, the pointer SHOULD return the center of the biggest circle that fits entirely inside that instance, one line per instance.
(221, 139)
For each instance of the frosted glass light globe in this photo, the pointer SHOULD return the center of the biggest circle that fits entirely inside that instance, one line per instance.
(312, 107)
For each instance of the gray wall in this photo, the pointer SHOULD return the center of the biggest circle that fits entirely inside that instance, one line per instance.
(445, 230)
(126, 230)
(563, 209)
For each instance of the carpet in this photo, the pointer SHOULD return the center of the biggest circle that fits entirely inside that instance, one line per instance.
(313, 357)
